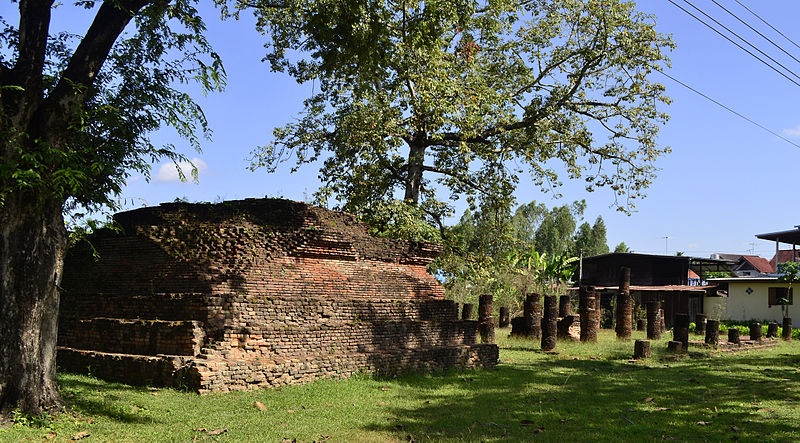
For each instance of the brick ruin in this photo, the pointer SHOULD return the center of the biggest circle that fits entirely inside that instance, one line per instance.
(255, 293)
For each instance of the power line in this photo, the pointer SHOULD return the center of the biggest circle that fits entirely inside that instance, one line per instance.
(757, 31)
(736, 43)
(729, 109)
(767, 23)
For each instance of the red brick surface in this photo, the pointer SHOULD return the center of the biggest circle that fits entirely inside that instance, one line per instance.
(257, 293)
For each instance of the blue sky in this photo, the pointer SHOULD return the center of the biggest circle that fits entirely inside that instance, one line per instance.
(725, 180)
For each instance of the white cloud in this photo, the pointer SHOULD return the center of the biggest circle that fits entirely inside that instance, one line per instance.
(792, 132)
(693, 246)
(168, 172)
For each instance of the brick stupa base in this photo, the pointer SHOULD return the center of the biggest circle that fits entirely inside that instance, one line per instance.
(255, 293)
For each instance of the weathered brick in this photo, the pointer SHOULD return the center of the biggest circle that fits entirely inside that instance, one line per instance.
(255, 293)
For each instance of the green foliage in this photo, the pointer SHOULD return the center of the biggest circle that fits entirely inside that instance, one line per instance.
(100, 135)
(395, 219)
(622, 247)
(591, 240)
(464, 98)
(789, 271)
(718, 274)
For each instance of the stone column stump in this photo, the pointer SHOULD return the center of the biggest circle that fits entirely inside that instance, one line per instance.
(504, 317)
(564, 324)
(772, 330)
(680, 331)
(486, 318)
(755, 331)
(532, 313)
(549, 323)
(641, 349)
(700, 323)
(712, 332)
(733, 336)
(786, 333)
(518, 327)
(466, 311)
(675, 347)
(564, 306)
(586, 308)
(653, 321)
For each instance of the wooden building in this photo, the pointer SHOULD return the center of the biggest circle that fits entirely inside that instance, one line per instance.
(665, 277)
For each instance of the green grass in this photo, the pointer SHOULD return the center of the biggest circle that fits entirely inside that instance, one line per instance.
(582, 392)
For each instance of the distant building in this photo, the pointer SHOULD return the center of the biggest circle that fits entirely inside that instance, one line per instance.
(679, 282)
(752, 298)
(791, 237)
(747, 265)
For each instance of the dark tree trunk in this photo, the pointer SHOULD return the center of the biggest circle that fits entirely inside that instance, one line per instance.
(416, 159)
(33, 241)
(786, 332)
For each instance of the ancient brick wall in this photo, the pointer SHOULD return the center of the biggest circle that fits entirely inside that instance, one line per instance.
(255, 293)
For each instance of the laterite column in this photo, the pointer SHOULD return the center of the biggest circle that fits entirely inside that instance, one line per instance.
(586, 306)
(624, 305)
(486, 318)
(549, 322)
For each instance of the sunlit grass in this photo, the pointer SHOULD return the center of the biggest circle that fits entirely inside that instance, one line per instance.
(581, 392)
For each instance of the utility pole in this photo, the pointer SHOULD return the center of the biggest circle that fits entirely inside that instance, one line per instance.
(666, 244)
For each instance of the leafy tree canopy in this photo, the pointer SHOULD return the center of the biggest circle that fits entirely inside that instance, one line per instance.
(591, 239)
(76, 112)
(622, 247)
(467, 95)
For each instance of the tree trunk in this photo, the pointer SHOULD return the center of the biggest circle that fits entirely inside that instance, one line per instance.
(33, 241)
(416, 159)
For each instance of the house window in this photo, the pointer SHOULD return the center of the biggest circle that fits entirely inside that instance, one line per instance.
(776, 294)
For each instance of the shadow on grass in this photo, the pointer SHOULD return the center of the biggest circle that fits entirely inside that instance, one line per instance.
(91, 397)
(735, 397)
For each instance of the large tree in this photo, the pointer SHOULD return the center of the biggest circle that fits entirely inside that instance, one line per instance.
(470, 94)
(74, 116)
(591, 239)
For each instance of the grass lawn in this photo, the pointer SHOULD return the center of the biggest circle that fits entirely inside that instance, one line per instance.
(581, 393)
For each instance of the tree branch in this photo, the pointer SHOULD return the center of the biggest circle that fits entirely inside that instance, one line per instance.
(86, 61)
(34, 27)
(458, 177)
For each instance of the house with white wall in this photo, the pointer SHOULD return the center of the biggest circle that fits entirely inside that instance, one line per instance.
(751, 298)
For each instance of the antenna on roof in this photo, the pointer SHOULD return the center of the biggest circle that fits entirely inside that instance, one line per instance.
(666, 242)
